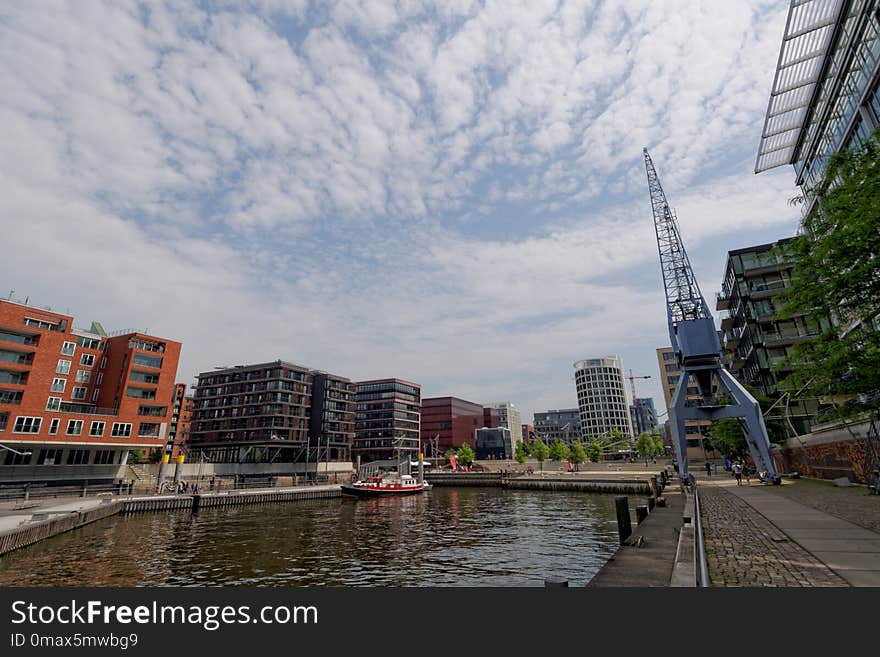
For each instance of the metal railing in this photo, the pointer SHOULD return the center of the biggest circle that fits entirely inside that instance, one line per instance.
(701, 569)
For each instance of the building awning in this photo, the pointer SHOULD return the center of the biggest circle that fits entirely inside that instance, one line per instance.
(805, 44)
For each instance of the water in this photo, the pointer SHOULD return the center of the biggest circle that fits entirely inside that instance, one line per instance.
(448, 537)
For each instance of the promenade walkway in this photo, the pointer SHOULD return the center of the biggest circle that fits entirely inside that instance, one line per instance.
(760, 535)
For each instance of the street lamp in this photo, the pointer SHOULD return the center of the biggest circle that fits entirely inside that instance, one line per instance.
(15, 451)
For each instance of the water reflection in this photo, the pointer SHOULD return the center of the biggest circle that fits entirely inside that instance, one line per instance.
(449, 537)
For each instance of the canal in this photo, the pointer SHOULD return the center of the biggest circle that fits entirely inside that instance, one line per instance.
(447, 537)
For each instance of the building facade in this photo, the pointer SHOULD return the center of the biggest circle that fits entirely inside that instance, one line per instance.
(528, 433)
(387, 420)
(695, 429)
(755, 339)
(449, 422)
(75, 402)
(602, 401)
(272, 412)
(509, 417)
(644, 415)
(181, 416)
(494, 444)
(563, 424)
(825, 96)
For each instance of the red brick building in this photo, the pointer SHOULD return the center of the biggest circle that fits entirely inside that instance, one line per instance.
(491, 417)
(74, 402)
(454, 420)
(528, 433)
(181, 417)
(386, 419)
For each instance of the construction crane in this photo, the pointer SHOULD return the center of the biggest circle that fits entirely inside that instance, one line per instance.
(697, 348)
(632, 383)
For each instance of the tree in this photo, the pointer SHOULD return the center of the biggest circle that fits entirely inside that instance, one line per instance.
(522, 452)
(594, 451)
(156, 455)
(645, 445)
(836, 277)
(558, 450)
(578, 454)
(540, 451)
(135, 456)
(465, 454)
(449, 453)
(727, 437)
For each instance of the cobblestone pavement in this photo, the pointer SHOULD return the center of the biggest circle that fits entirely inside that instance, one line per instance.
(744, 549)
(852, 503)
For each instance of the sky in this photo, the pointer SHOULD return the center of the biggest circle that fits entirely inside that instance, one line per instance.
(448, 192)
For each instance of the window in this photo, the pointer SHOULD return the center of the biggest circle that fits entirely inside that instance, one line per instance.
(63, 367)
(121, 430)
(154, 411)
(49, 457)
(87, 360)
(10, 396)
(83, 376)
(77, 457)
(53, 427)
(58, 384)
(53, 404)
(149, 429)
(74, 427)
(144, 377)
(88, 343)
(140, 393)
(104, 457)
(668, 355)
(25, 424)
(97, 428)
(99, 379)
(79, 393)
(96, 394)
(17, 459)
(147, 361)
(68, 348)
(103, 362)
(4, 418)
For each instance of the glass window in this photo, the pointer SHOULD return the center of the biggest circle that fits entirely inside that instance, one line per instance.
(25, 424)
(147, 361)
(87, 360)
(53, 404)
(74, 427)
(121, 430)
(58, 384)
(68, 348)
(63, 367)
(83, 376)
(53, 427)
(97, 428)
(79, 393)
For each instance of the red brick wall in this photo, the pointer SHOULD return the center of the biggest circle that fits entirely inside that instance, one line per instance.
(828, 460)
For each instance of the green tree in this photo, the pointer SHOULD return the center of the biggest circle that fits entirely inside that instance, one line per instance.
(658, 442)
(645, 445)
(135, 456)
(522, 452)
(594, 451)
(558, 450)
(465, 454)
(837, 275)
(156, 455)
(726, 437)
(448, 453)
(578, 454)
(540, 451)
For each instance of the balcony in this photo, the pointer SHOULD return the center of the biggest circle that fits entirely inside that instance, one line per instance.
(783, 338)
(733, 337)
(86, 409)
(727, 322)
(722, 301)
(19, 339)
(762, 290)
(765, 263)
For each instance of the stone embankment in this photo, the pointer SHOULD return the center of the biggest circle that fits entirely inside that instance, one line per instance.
(646, 485)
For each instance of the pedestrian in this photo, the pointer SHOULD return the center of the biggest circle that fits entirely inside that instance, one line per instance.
(738, 473)
(708, 470)
(748, 472)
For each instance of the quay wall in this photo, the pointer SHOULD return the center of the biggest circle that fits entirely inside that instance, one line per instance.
(498, 480)
(832, 450)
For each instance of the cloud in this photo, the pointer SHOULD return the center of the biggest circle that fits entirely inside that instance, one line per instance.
(452, 192)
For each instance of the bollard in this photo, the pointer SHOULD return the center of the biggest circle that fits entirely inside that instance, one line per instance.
(641, 513)
(197, 502)
(555, 583)
(661, 501)
(85, 489)
(651, 501)
(624, 523)
(655, 487)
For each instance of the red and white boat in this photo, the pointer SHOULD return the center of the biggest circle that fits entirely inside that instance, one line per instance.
(387, 484)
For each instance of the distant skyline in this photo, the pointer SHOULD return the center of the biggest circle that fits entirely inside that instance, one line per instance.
(449, 192)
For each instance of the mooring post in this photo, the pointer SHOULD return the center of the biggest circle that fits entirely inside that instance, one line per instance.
(641, 513)
(555, 582)
(651, 502)
(655, 486)
(624, 523)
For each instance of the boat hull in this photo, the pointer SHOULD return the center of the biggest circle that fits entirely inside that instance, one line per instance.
(356, 491)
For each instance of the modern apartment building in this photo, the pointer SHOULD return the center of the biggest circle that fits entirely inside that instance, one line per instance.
(510, 418)
(181, 417)
(272, 412)
(528, 432)
(449, 422)
(644, 415)
(74, 402)
(695, 429)
(387, 420)
(826, 92)
(755, 339)
(491, 417)
(564, 424)
(495, 444)
(601, 392)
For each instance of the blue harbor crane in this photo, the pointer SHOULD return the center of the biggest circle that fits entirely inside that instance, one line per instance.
(697, 348)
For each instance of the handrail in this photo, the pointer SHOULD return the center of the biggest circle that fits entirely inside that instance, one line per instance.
(701, 570)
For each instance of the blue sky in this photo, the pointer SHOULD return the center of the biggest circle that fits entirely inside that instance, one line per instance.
(449, 192)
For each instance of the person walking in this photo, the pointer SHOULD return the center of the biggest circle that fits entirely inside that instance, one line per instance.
(738, 473)
(708, 470)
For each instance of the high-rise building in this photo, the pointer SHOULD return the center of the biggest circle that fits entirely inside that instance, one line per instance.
(387, 419)
(563, 424)
(755, 339)
(644, 415)
(272, 412)
(528, 432)
(449, 422)
(695, 429)
(181, 416)
(826, 92)
(601, 392)
(74, 402)
(510, 418)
